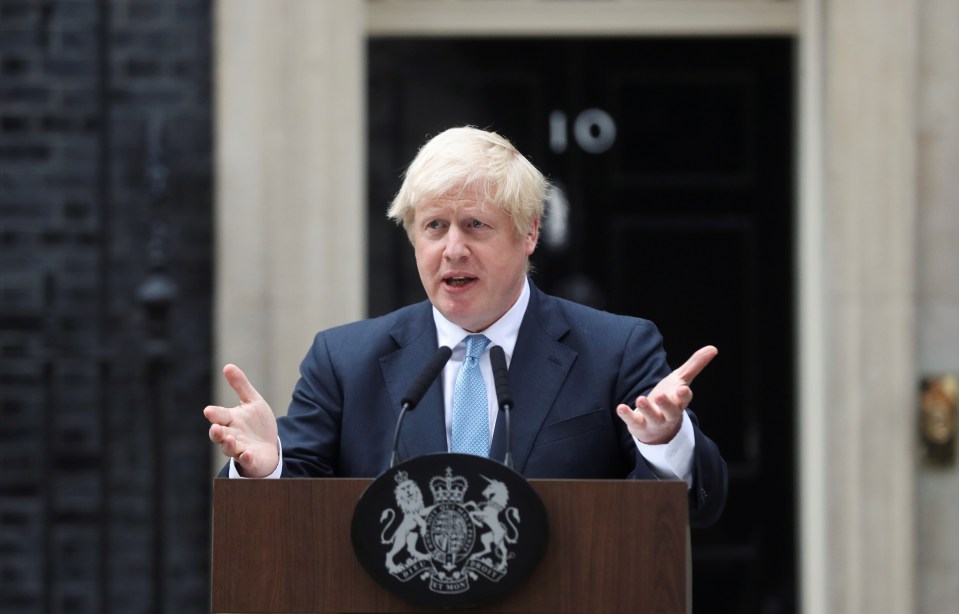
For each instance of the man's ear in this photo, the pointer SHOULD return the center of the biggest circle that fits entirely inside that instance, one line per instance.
(532, 237)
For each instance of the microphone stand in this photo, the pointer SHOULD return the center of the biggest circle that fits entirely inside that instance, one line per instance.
(395, 457)
(508, 458)
(417, 390)
(497, 357)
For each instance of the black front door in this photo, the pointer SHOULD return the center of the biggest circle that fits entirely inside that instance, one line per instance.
(673, 201)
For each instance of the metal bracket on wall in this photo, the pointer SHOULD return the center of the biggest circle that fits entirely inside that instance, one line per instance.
(938, 420)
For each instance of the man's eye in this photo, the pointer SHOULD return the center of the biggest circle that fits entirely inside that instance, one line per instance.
(477, 224)
(434, 225)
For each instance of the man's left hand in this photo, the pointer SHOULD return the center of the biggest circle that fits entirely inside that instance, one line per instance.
(658, 416)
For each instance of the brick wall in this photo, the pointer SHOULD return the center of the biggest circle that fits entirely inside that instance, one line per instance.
(105, 305)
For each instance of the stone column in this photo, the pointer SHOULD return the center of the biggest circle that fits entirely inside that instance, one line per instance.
(290, 200)
(869, 221)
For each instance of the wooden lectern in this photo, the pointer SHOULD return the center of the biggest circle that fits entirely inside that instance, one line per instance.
(284, 546)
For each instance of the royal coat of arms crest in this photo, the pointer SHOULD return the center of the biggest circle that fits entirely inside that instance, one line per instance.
(438, 542)
(449, 530)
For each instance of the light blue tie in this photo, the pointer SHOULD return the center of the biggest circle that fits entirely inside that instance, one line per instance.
(470, 409)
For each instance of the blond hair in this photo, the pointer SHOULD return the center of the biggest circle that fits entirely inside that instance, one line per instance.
(469, 159)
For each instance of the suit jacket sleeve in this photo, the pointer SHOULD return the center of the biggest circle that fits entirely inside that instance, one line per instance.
(644, 365)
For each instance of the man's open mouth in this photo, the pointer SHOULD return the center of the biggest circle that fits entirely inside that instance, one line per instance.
(458, 282)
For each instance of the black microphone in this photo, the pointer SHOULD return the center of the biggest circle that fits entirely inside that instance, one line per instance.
(416, 391)
(497, 359)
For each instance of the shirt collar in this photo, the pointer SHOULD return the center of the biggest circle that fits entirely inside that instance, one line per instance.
(502, 332)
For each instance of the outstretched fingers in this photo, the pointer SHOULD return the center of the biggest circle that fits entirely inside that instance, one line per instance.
(648, 422)
(221, 437)
(679, 397)
(695, 365)
(632, 418)
(218, 415)
(240, 384)
(245, 459)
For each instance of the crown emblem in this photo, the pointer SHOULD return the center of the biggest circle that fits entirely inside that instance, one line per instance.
(448, 489)
(401, 476)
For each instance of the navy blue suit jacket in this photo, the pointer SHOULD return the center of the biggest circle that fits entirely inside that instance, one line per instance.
(570, 368)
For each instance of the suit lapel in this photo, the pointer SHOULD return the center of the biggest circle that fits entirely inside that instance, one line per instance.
(424, 428)
(538, 368)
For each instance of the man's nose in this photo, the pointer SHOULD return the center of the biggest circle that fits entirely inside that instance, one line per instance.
(456, 246)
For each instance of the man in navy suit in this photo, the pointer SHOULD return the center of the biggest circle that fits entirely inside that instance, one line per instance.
(593, 393)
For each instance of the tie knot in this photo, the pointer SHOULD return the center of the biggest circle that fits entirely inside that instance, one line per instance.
(475, 344)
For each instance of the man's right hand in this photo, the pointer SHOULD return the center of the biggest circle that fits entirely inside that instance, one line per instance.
(247, 432)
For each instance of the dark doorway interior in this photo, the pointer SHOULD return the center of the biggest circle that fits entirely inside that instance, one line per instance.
(673, 164)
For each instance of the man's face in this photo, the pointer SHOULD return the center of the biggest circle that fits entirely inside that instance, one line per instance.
(471, 261)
